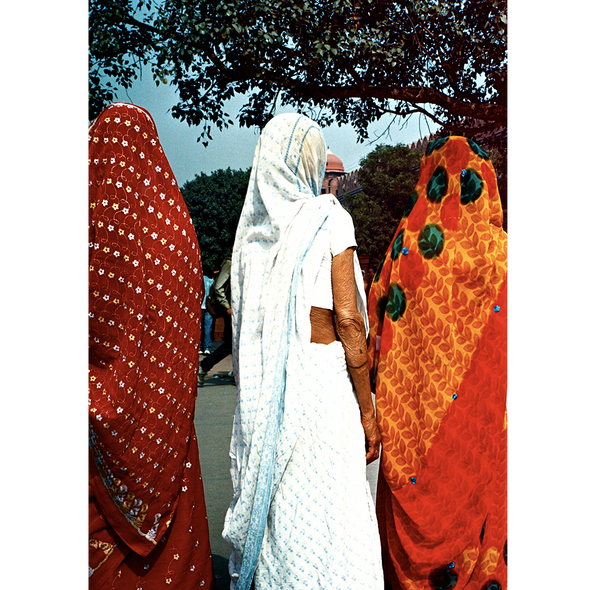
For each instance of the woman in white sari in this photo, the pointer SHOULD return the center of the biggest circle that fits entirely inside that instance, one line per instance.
(302, 516)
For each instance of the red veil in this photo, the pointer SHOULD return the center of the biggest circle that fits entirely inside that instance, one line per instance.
(147, 510)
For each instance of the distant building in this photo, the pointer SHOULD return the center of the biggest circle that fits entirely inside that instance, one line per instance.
(337, 181)
(334, 171)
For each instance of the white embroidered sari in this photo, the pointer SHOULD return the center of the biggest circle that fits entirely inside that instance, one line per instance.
(283, 233)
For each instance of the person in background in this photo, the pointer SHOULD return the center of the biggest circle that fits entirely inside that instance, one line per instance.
(206, 318)
(437, 311)
(302, 515)
(222, 294)
(147, 522)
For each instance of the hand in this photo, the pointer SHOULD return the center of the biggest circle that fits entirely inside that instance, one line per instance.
(372, 437)
(229, 311)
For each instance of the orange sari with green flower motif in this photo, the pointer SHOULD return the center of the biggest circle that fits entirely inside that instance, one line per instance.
(437, 311)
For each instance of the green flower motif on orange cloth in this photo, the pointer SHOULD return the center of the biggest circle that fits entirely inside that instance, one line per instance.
(431, 241)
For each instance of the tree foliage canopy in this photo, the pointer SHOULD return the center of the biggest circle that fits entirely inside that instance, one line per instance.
(388, 176)
(344, 61)
(215, 202)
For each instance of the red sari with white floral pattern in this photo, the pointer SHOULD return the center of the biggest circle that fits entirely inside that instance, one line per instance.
(148, 527)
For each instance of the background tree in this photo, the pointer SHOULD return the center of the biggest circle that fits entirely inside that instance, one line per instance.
(119, 44)
(345, 61)
(215, 202)
(388, 176)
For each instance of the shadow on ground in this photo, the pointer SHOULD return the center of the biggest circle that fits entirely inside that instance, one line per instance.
(221, 572)
(220, 378)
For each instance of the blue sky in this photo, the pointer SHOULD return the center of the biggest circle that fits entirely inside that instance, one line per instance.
(234, 146)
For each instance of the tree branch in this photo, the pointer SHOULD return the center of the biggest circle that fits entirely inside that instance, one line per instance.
(144, 27)
(413, 95)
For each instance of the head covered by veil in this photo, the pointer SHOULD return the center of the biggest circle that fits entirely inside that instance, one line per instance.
(282, 235)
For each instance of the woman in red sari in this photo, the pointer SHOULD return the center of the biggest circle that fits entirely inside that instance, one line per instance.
(148, 527)
(437, 311)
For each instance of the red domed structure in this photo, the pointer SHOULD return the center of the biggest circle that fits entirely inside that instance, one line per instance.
(334, 170)
(334, 163)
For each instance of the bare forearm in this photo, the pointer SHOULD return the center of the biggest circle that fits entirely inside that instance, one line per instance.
(362, 387)
(351, 328)
(351, 331)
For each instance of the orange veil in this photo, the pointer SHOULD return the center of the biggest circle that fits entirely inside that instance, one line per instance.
(437, 312)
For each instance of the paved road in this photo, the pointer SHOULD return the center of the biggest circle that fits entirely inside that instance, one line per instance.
(214, 413)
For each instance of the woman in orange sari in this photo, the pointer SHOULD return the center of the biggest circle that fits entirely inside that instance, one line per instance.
(148, 527)
(437, 311)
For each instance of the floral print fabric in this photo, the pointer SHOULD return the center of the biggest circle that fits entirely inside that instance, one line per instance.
(145, 293)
